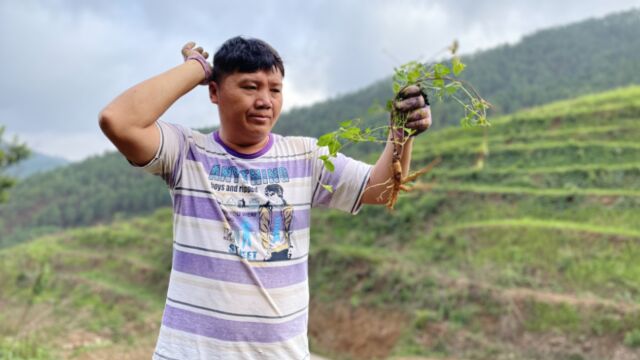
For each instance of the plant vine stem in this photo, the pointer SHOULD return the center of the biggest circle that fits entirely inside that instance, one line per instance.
(465, 84)
(466, 107)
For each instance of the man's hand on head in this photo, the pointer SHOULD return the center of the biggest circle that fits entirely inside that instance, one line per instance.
(415, 104)
(191, 52)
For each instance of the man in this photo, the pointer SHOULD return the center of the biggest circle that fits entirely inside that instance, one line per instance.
(241, 198)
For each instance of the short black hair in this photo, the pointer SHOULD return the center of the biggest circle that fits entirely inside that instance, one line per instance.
(245, 55)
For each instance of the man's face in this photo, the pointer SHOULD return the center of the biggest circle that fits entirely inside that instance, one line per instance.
(249, 105)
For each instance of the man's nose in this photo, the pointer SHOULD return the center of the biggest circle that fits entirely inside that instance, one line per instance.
(263, 101)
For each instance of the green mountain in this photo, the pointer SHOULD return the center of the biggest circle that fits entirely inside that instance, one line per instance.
(520, 244)
(36, 163)
(549, 65)
(92, 191)
(558, 63)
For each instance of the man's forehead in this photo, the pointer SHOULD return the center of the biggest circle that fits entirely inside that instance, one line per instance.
(273, 76)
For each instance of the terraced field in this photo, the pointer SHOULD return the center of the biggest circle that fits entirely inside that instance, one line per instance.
(86, 292)
(521, 244)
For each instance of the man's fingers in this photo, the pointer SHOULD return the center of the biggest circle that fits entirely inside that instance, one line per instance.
(410, 91)
(186, 49)
(205, 54)
(419, 120)
(199, 49)
(410, 104)
(420, 125)
(422, 113)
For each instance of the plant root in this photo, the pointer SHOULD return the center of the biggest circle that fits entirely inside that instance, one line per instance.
(399, 182)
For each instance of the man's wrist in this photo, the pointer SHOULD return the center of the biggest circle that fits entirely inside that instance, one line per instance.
(203, 63)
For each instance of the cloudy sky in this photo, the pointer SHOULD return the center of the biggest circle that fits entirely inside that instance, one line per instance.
(65, 60)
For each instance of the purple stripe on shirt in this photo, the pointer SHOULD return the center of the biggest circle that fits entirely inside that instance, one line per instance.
(237, 271)
(229, 330)
(332, 178)
(177, 168)
(299, 168)
(207, 208)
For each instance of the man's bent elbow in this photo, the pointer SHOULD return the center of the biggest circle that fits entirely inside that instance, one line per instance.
(108, 123)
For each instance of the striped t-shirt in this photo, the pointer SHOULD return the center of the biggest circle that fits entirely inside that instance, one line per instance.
(238, 287)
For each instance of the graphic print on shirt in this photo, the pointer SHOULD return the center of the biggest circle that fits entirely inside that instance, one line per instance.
(275, 224)
(267, 230)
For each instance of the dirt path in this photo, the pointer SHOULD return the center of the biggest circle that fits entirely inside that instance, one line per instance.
(142, 350)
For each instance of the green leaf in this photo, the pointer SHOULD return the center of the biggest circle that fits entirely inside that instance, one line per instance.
(389, 105)
(458, 66)
(351, 134)
(413, 75)
(329, 188)
(327, 163)
(440, 70)
(346, 123)
(451, 88)
(396, 87)
(334, 147)
(326, 139)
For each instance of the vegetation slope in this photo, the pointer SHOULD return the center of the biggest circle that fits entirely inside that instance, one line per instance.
(520, 244)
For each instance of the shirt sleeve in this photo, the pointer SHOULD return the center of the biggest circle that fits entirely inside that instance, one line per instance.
(168, 160)
(348, 181)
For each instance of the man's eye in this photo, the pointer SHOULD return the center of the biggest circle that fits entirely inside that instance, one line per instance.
(275, 90)
(250, 87)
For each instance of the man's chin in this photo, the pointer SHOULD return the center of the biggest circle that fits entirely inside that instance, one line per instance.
(259, 128)
(257, 134)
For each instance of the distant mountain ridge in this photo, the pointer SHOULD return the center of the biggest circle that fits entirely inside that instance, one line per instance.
(552, 64)
(36, 163)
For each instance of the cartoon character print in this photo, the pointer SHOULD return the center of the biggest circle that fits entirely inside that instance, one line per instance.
(275, 218)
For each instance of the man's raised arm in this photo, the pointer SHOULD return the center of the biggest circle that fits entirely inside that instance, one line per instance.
(415, 105)
(129, 120)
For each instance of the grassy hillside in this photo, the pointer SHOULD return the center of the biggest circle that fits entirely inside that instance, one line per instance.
(86, 292)
(92, 191)
(526, 245)
(525, 248)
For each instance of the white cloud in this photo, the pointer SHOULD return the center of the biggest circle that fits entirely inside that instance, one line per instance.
(59, 143)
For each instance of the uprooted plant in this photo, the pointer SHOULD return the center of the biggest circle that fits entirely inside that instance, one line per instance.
(438, 80)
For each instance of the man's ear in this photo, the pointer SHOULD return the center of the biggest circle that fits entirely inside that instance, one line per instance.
(213, 92)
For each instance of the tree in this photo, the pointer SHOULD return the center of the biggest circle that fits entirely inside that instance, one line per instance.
(10, 153)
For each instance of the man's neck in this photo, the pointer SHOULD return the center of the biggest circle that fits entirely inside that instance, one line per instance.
(246, 149)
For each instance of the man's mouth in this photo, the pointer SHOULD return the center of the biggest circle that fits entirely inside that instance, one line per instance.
(259, 118)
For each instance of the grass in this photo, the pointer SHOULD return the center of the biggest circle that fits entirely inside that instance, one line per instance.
(542, 238)
(540, 242)
(101, 280)
(559, 226)
(558, 192)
